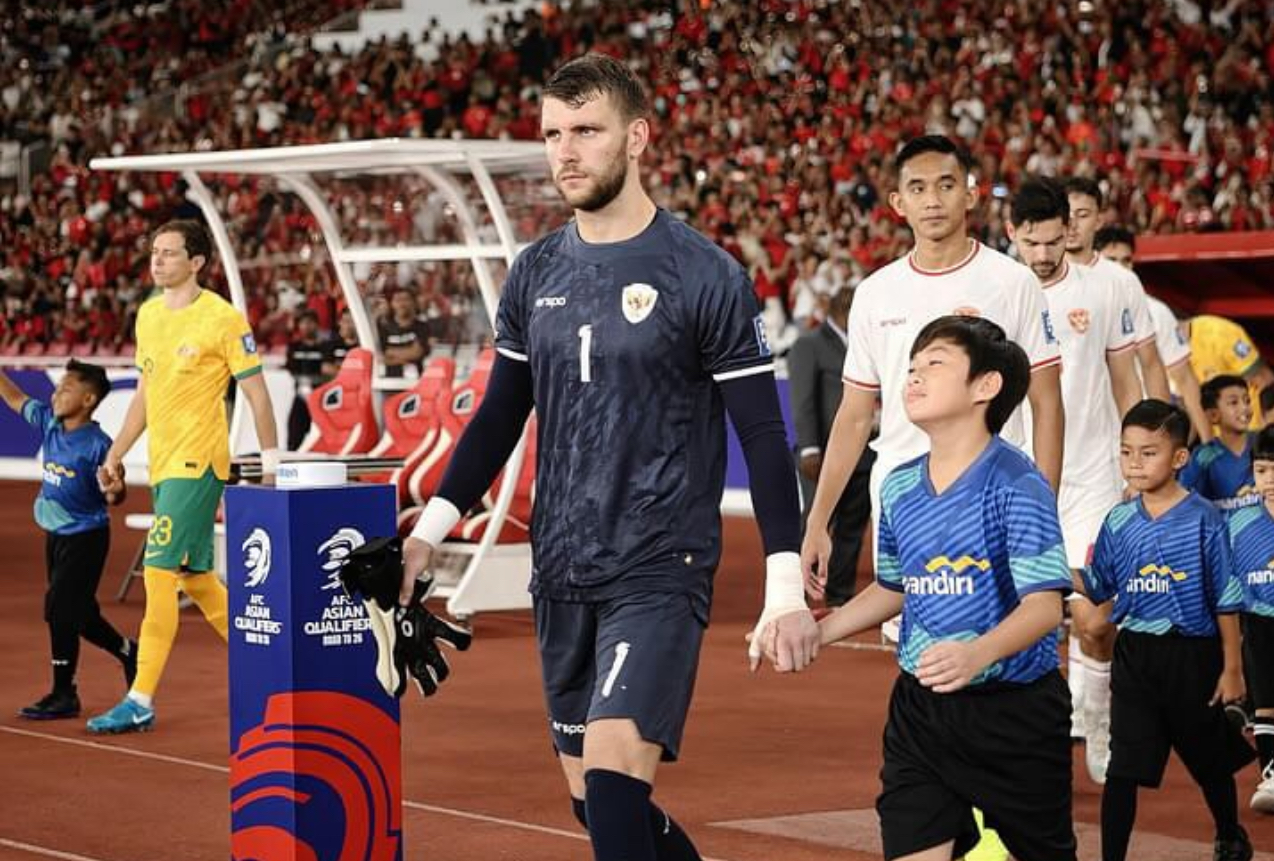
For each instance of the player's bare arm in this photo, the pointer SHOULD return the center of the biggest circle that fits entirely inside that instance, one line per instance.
(1045, 396)
(134, 426)
(850, 432)
(1123, 380)
(1187, 385)
(258, 395)
(1153, 372)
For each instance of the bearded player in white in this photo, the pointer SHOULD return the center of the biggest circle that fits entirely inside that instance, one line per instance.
(1099, 385)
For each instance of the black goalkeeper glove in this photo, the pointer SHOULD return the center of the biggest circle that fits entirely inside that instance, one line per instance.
(407, 638)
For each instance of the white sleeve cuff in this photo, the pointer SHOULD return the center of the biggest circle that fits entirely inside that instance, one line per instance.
(436, 521)
(270, 459)
(810, 449)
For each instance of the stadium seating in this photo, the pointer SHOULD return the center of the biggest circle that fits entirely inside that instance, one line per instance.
(1175, 134)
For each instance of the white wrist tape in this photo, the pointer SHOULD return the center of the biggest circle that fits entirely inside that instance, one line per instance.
(436, 521)
(784, 593)
(270, 458)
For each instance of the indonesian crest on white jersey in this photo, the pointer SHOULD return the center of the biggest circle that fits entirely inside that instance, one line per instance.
(638, 300)
(1079, 319)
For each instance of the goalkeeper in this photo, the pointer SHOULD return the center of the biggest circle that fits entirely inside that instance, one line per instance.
(631, 335)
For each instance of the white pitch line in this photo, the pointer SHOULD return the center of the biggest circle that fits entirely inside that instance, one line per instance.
(864, 647)
(194, 763)
(45, 851)
(111, 748)
(494, 820)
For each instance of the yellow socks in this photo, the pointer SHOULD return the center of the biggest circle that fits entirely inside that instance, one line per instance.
(159, 629)
(159, 625)
(209, 594)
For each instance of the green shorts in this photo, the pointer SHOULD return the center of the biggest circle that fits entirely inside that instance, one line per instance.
(182, 534)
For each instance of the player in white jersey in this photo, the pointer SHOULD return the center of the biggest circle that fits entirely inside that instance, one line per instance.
(1085, 198)
(1117, 244)
(946, 272)
(1099, 384)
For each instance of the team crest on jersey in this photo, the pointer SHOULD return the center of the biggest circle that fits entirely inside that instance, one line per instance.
(1125, 322)
(638, 300)
(249, 344)
(1242, 348)
(967, 311)
(186, 351)
(1079, 319)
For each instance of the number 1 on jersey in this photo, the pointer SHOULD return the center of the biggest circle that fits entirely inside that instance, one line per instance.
(585, 347)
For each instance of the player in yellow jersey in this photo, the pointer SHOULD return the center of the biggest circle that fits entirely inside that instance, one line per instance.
(1220, 346)
(190, 342)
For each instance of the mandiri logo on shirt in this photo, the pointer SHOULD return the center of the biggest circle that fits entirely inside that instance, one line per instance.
(946, 576)
(1155, 578)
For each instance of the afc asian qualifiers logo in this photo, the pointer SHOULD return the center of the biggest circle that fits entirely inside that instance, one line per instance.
(1079, 319)
(335, 550)
(637, 301)
(256, 557)
(324, 759)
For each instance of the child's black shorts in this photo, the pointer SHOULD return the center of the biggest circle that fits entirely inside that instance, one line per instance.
(1258, 659)
(1003, 748)
(1160, 686)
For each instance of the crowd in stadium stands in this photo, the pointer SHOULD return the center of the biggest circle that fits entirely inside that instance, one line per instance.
(775, 126)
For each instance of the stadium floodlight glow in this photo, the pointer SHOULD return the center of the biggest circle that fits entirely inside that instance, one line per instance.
(463, 173)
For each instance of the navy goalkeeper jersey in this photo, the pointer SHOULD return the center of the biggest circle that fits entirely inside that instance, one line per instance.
(626, 343)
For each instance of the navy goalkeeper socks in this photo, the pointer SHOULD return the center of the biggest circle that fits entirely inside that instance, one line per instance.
(618, 810)
(611, 811)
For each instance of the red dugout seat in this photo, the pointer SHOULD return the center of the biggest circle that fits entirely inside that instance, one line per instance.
(344, 420)
(427, 471)
(413, 423)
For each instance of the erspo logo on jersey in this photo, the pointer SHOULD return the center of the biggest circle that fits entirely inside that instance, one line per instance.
(335, 758)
